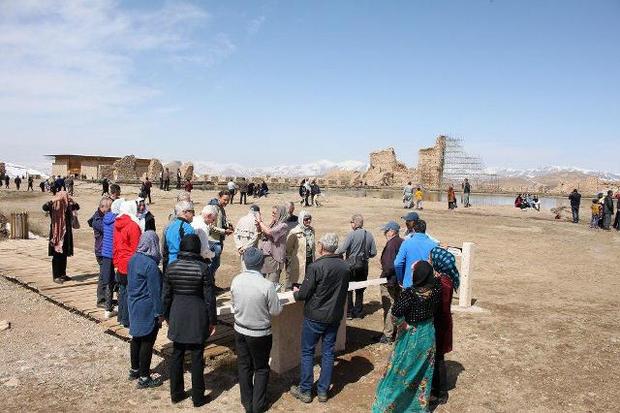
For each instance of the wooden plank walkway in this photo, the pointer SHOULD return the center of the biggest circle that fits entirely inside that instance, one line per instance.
(26, 262)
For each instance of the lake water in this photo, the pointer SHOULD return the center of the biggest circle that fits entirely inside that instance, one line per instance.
(546, 202)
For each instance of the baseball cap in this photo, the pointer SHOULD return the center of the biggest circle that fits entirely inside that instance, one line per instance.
(391, 225)
(412, 216)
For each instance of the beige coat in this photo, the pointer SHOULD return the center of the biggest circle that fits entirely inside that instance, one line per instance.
(296, 255)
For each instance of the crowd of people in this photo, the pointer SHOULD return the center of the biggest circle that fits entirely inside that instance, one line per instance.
(173, 280)
(527, 200)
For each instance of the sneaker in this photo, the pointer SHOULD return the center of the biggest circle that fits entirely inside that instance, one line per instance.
(101, 305)
(65, 278)
(298, 394)
(58, 280)
(322, 397)
(349, 316)
(148, 382)
(109, 314)
(133, 374)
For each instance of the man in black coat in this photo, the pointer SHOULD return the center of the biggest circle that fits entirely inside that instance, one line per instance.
(324, 292)
(575, 200)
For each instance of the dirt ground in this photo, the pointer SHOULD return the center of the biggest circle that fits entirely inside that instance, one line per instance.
(548, 341)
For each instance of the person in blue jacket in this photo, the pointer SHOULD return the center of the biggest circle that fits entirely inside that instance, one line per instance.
(177, 229)
(416, 248)
(144, 282)
(107, 255)
(96, 223)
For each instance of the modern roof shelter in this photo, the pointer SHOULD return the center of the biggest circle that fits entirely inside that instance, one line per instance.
(89, 166)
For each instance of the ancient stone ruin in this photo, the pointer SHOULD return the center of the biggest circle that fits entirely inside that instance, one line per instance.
(125, 169)
(386, 170)
(155, 170)
(431, 164)
(187, 171)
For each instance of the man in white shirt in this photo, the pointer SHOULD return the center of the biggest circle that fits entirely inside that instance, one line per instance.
(232, 189)
(246, 232)
(201, 227)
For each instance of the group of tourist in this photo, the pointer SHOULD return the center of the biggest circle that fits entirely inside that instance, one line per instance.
(245, 189)
(279, 253)
(602, 209)
(309, 193)
(526, 200)
(52, 184)
(409, 195)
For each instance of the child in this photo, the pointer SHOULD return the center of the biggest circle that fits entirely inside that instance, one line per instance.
(418, 198)
(597, 210)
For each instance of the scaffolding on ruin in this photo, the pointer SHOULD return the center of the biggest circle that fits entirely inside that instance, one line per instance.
(458, 165)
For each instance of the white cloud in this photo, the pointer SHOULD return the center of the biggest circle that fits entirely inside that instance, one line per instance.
(255, 25)
(63, 56)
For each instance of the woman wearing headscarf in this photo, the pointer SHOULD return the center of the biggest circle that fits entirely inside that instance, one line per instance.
(60, 209)
(126, 237)
(189, 308)
(273, 243)
(406, 384)
(451, 198)
(444, 264)
(300, 249)
(145, 217)
(145, 308)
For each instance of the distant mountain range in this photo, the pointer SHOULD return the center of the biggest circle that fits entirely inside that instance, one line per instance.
(317, 168)
(552, 170)
(322, 167)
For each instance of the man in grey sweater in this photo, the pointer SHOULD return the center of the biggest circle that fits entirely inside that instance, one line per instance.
(359, 246)
(254, 301)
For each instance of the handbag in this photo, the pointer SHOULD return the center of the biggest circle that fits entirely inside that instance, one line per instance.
(75, 222)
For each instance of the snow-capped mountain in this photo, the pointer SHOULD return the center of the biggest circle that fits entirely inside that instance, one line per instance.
(307, 169)
(13, 170)
(551, 170)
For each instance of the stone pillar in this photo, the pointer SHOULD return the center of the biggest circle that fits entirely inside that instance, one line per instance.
(467, 261)
(286, 330)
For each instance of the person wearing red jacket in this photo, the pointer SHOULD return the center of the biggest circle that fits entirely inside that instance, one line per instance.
(126, 238)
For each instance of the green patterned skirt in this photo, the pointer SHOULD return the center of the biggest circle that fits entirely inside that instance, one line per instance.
(406, 384)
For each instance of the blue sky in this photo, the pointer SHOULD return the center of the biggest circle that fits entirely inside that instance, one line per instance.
(525, 83)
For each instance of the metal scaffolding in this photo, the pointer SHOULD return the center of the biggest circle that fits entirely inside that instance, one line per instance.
(459, 165)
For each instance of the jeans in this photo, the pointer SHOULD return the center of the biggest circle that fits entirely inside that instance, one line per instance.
(311, 332)
(253, 366)
(466, 199)
(123, 309)
(141, 351)
(575, 211)
(607, 220)
(389, 295)
(243, 198)
(177, 385)
(594, 221)
(107, 278)
(215, 248)
(59, 264)
(100, 284)
(355, 309)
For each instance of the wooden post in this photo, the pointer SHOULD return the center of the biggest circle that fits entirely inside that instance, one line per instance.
(19, 225)
(467, 260)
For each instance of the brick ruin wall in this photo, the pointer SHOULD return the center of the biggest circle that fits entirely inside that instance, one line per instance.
(430, 164)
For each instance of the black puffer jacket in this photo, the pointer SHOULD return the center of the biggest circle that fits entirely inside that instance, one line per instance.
(188, 295)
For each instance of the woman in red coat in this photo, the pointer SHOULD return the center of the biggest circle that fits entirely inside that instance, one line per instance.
(444, 265)
(126, 238)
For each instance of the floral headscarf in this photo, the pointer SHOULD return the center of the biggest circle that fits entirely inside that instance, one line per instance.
(444, 263)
